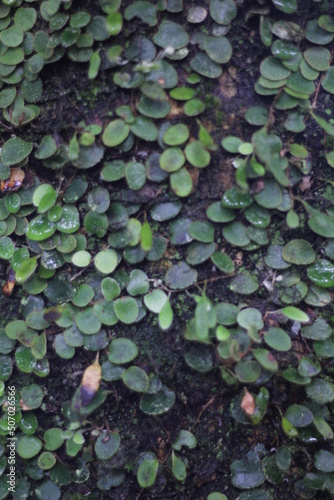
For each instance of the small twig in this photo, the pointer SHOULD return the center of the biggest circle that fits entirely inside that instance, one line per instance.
(84, 268)
(215, 278)
(67, 184)
(314, 102)
(271, 119)
(204, 408)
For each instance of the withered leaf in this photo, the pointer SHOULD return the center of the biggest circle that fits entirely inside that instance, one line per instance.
(14, 182)
(248, 403)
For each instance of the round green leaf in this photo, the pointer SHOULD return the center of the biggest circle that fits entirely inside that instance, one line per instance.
(322, 273)
(122, 351)
(176, 135)
(218, 49)
(180, 276)
(12, 37)
(115, 133)
(277, 339)
(202, 64)
(235, 198)
(32, 396)
(320, 391)
(25, 18)
(328, 81)
(81, 258)
(6, 248)
(257, 115)
(28, 423)
(126, 309)
(201, 231)
(47, 488)
(244, 283)
(99, 200)
(270, 196)
(194, 107)
(247, 371)
(24, 359)
(15, 150)
(197, 155)
(147, 473)
(106, 261)
(235, 233)
(136, 379)
(172, 159)
(87, 322)
(181, 182)
(171, 34)
(223, 262)
(29, 446)
(250, 316)
(223, 11)
(144, 128)
(135, 175)
(299, 415)
(46, 460)
(158, 403)
(318, 58)
(319, 330)
(324, 461)
(246, 474)
(272, 69)
(316, 34)
(298, 252)
(53, 438)
(63, 350)
(107, 445)
(266, 359)
(182, 93)
(83, 296)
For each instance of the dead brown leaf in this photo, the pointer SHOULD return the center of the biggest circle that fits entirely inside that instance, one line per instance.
(305, 183)
(23, 406)
(10, 283)
(14, 182)
(227, 85)
(248, 403)
(194, 174)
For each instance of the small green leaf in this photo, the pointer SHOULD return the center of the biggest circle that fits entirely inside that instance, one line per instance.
(107, 445)
(295, 314)
(136, 379)
(185, 438)
(328, 127)
(15, 150)
(94, 65)
(147, 473)
(146, 240)
(178, 467)
(165, 318)
(29, 446)
(115, 133)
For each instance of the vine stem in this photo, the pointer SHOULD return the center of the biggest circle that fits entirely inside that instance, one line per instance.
(271, 119)
(315, 99)
(215, 278)
(85, 268)
(211, 400)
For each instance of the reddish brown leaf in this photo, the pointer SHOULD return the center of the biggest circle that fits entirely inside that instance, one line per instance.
(10, 283)
(248, 403)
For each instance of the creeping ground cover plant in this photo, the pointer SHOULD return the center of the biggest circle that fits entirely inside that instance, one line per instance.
(166, 249)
